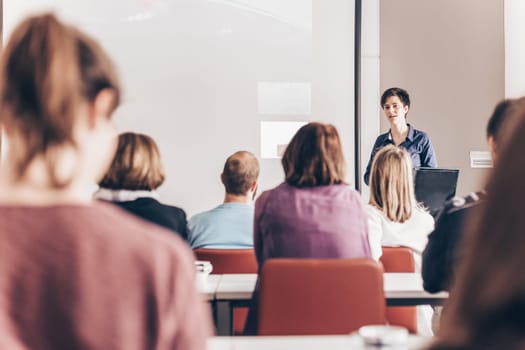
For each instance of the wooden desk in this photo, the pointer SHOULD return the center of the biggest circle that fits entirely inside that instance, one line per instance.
(318, 342)
(401, 289)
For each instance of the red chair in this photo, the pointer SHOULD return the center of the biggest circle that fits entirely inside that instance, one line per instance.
(231, 261)
(228, 260)
(319, 296)
(400, 259)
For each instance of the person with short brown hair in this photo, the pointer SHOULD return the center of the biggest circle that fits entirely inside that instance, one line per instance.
(240, 173)
(77, 273)
(133, 178)
(314, 213)
(395, 103)
(229, 225)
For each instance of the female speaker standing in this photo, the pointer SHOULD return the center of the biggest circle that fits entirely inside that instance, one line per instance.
(396, 103)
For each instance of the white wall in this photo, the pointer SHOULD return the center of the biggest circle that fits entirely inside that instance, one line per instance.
(192, 71)
(370, 89)
(514, 12)
(449, 55)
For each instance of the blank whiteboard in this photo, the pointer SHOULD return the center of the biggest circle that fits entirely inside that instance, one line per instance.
(192, 72)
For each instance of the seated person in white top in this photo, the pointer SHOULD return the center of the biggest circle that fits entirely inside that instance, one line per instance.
(230, 225)
(394, 216)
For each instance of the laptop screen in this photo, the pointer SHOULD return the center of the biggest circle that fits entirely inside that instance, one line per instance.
(434, 186)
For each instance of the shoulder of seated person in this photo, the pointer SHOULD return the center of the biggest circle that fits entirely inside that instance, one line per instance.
(460, 203)
(371, 210)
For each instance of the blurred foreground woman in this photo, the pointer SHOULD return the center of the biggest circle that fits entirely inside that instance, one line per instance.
(75, 274)
(486, 309)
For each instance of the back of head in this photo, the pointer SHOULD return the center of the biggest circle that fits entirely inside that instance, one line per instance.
(391, 183)
(488, 302)
(314, 157)
(395, 91)
(49, 71)
(495, 123)
(240, 172)
(137, 164)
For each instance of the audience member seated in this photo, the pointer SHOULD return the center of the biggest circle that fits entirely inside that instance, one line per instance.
(441, 255)
(229, 225)
(394, 216)
(314, 213)
(77, 273)
(132, 179)
(486, 305)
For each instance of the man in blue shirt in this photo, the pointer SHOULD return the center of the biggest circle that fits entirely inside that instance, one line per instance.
(396, 103)
(229, 225)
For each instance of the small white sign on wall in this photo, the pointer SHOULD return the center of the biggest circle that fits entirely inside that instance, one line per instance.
(480, 159)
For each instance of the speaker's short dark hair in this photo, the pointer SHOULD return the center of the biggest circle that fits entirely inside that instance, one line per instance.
(395, 91)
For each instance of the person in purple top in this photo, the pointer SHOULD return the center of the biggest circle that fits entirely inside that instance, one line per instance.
(314, 213)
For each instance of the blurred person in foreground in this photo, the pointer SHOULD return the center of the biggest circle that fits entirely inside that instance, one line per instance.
(135, 174)
(75, 273)
(486, 309)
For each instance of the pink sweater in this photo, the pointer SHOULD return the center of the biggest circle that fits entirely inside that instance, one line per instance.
(94, 277)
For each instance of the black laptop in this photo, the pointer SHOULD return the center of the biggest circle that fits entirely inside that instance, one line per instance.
(434, 186)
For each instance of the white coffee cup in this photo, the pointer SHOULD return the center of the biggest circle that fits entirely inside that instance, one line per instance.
(383, 335)
(203, 269)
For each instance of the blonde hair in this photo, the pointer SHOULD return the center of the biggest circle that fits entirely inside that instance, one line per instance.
(392, 184)
(47, 71)
(136, 166)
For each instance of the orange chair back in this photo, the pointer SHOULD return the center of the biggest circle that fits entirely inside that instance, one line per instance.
(228, 260)
(320, 296)
(400, 259)
(231, 261)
